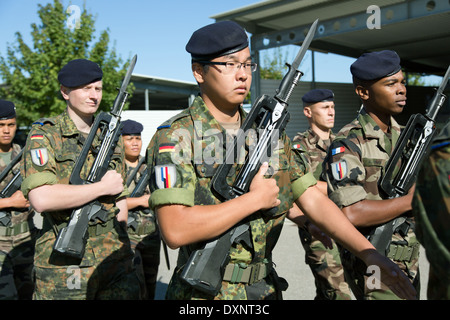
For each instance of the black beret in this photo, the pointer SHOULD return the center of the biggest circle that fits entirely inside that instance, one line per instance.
(79, 72)
(131, 127)
(216, 40)
(376, 65)
(318, 95)
(7, 110)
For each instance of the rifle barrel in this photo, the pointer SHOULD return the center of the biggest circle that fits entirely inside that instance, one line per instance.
(438, 98)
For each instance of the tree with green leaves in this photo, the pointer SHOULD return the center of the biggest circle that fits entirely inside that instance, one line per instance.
(274, 64)
(415, 79)
(30, 73)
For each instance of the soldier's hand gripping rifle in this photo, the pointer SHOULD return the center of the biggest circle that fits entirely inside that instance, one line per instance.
(12, 186)
(71, 240)
(412, 147)
(268, 117)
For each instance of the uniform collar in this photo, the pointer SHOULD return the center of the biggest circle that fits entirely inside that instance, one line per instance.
(205, 125)
(370, 127)
(372, 130)
(68, 127)
(314, 139)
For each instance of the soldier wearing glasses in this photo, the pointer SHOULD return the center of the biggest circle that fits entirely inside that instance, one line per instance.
(188, 213)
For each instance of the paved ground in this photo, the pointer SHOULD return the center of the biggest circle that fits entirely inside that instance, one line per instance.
(289, 258)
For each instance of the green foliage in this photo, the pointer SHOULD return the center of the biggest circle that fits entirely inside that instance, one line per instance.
(415, 79)
(274, 62)
(30, 73)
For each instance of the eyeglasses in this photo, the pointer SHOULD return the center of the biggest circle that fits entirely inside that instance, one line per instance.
(232, 66)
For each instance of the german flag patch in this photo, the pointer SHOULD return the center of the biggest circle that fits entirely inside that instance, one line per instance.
(166, 147)
(37, 136)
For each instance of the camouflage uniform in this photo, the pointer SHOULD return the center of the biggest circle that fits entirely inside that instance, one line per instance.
(17, 238)
(325, 263)
(145, 240)
(106, 270)
(190, 185)
(431, 208)
(354, 164)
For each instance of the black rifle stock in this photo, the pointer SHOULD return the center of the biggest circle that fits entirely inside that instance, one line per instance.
(205, 267)
(15, 183)
(139, 191)
(12, 186)
(71, 240)
(135, 171)
(141, 185)
(412, 147)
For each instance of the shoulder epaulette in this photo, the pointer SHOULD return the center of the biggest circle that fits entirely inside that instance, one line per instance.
(303, 134)
(168, 123)
(43, 121)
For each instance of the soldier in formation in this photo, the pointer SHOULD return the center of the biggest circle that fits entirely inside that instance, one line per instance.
(17, 230)
(52, 148)
(141, 226)
(355, 162)
(322, 257)
(189, 213)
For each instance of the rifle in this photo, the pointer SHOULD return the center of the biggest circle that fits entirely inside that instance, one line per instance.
(71, 240)
(138, 191)
(412, 147)
(12, 186)
(205, 267)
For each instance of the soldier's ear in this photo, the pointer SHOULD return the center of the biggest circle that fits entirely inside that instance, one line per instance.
(64, 92)
(198, 71)
(362, 92)
(307, 112)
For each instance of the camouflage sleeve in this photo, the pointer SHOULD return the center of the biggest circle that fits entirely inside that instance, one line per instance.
(38, 165)
(172, 174)
(345, 173)
(39, 162)
(301, 177)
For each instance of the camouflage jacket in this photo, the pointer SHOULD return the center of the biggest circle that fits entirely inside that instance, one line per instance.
(141, 221)
(17, 216)
(356, 160)
(313, 149)
(50, 153)
(431, 207)
(182, 157)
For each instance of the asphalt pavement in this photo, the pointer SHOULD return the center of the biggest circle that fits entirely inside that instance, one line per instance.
(289, 259)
